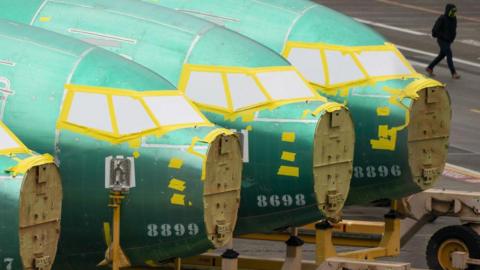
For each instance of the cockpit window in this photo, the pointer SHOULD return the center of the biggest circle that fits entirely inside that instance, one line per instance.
(309, 62)
(173, 110)
(215, 95)
(131, 115)
(233, 89)
(382, 63)
(244, 90)
(283, 85)
(342, 67)
(90, 110)
(8, 142)
(331, 66)
(120, 113)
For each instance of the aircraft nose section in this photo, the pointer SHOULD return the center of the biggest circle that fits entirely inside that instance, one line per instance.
(333, 160)
(428, 134)
(222, 185)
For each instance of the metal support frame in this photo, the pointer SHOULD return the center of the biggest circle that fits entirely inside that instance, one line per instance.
(114, 254)
(387, 240)
(389, 245)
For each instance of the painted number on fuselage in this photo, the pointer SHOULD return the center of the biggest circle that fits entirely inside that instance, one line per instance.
(168, 230)
(376, 171)
(280, 200)
(8, 263)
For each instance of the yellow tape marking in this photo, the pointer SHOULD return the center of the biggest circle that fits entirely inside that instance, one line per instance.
(177, 184)
(249, 128)
(175, 163)
(177, 199)
(383, 111)
(387, 138)
(107, 235)
(288, 156)
(45, 19)
(24, 165)
(136, 154)
(152, 263)
(288, 136)
(288, 171)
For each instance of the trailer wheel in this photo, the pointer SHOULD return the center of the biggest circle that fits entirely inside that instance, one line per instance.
(448, 240)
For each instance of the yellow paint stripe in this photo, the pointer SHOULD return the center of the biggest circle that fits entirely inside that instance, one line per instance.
(288, 136)
(175, 163)
(177, 184)
(107, 234)
(177, 199)
(288, 156)
(432, 11)
(383, 111)
(289, 171)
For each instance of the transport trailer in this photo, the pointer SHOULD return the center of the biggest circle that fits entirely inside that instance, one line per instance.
(297, 146)
(182, 172)
(30, 206)
(402, 119)
(452, 247)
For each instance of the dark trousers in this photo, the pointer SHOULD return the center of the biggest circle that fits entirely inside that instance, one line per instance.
(445, 50)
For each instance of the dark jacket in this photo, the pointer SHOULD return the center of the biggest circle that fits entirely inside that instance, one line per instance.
(445, 27)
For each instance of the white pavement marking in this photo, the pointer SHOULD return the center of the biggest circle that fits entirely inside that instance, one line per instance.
(386, 26)
(417, 33)
(472, 42)
(465, 62)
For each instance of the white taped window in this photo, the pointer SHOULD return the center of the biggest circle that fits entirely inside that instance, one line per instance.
(90, 110)
(131, 115)
(309, 63)
(244, 90)
(342, 68)
(6, 141)
(284, 85)
(173, 110)
(382, 63)
(206, 88)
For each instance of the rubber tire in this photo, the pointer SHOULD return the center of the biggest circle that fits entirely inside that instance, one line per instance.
(463, 233)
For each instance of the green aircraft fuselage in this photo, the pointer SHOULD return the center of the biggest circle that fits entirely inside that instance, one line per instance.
(66, 98)
(297, 146)
(402, 120)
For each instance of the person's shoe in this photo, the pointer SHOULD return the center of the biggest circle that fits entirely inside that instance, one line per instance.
(455, 76)
(429, 72)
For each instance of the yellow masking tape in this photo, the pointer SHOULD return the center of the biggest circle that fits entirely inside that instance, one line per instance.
(107, 234)
(45, 19)
(288, 171)
(246, 113)
(387, 137)
(354, 51)
(383, 111)
(177, 184)
(207, 139)
(288, 156)
(177, 199)
(288, 136)
(24, 165)
(134, 139)
(175, 163)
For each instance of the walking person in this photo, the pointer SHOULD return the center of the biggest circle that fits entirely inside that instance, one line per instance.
(445, 31)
